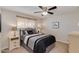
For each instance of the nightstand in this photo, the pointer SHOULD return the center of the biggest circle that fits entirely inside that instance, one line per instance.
(14, 42)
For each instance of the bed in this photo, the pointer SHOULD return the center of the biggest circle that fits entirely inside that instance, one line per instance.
(36, 42)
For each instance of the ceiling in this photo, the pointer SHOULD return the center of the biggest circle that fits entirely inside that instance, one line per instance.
(31, 9)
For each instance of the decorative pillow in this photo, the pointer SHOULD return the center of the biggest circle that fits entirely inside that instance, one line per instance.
(24, 32)
(34, 31)
(30, 31)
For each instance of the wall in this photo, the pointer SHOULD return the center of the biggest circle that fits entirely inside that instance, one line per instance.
(0, 35)
(9, 19)
(68, 23)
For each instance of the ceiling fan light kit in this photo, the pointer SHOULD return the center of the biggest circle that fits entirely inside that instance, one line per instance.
(44, 13)
(46, 10)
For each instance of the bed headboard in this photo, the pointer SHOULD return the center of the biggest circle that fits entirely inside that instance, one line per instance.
(27, 31)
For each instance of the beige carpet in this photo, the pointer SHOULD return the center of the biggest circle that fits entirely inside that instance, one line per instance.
(59, 48)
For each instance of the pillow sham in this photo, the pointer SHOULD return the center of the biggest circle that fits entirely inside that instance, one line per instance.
(24, 32)
(32, 31)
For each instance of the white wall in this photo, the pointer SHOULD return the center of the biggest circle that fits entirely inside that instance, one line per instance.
(9, 19)
(68, 23)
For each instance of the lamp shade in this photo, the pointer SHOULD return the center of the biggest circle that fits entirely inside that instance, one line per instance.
(14, 29)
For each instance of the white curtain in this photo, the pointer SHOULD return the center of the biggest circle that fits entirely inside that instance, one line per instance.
(25, 23)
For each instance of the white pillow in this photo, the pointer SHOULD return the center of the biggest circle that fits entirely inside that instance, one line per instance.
(26, 32)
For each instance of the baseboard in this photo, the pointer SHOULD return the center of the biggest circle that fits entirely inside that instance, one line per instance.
(63, 41)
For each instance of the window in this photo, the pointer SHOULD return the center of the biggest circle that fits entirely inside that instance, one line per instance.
(25, 23)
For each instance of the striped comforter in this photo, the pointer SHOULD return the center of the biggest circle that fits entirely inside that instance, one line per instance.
(39, 42)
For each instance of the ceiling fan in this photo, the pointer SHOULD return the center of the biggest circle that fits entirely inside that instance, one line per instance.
(45, 10)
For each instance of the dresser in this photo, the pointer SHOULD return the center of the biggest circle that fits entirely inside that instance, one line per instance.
(14, 42)
(74, 42)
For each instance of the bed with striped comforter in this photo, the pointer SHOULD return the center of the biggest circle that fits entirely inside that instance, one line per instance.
(39, 42)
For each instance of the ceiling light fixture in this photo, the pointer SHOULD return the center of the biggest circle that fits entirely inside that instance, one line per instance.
(44, 13)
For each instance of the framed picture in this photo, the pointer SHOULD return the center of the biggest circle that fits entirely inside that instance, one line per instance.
(0, 22)
(55, 25)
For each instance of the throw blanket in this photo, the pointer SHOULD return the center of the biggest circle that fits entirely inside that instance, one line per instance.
(39, 42)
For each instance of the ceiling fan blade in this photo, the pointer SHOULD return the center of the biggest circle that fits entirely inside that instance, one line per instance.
(40, 7)
(38, 12)
(50, 12)
(52, 8)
